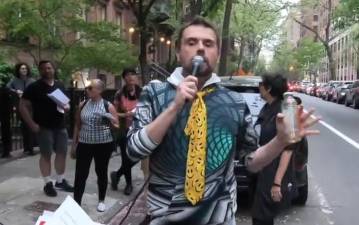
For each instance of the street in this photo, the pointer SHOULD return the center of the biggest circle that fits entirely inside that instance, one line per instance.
(333, 163)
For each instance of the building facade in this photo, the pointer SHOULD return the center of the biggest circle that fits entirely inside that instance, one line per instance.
(341, 43)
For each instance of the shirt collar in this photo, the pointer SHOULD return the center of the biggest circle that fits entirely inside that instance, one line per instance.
(177, 77)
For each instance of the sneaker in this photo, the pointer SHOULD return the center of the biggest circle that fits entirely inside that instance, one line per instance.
(128, 189)
(101, 207)
(50, 190)
(65, 186)
(114, 180)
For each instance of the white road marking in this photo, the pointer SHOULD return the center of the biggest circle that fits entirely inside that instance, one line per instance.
(338, 133)
(323, 202)
(341, 135)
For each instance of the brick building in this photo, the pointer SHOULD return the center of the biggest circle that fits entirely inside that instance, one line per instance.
(345, 58)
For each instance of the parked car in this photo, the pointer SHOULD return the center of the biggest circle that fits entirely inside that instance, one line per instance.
(303, 86)
(246, 181)
(329, 90)
(320, 90)
(352, 96)
(340, 92)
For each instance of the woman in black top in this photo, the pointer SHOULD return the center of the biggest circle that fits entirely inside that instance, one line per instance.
(274, 181)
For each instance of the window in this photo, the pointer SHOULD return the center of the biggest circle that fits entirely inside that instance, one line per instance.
(315, 18)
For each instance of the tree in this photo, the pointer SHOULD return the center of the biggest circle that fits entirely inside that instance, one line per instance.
(57, 29)
(346, 17)
(141, 9)
(284, 61)
(225, 38)
(308, 55)
(326, 5)
(346, 14)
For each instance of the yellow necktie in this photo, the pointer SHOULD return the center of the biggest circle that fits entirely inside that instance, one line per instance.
(196, 129)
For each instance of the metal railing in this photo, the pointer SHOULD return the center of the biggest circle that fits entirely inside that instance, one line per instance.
(158, 72)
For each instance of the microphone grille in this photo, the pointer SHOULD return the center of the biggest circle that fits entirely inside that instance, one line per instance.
(198, 59)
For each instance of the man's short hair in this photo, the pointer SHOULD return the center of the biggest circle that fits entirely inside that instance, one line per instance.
(128, 71)
(198, 21)
(43, 62)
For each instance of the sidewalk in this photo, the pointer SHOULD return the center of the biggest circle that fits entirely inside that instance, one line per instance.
(22, 199)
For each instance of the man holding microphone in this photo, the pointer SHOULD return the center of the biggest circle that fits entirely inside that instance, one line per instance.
(190, 126)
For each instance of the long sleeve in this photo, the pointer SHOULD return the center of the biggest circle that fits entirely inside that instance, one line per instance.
(140, 145)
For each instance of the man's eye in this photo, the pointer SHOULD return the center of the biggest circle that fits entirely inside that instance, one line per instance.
(191, 43)
(209, 44)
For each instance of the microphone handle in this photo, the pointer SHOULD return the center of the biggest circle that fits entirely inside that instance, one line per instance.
(195, 69)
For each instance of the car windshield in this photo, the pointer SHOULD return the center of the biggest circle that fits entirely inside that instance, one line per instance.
(249, 88)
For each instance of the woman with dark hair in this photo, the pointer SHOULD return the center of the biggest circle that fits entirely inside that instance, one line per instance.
(273, 181)
(22, 79)
(125, 102)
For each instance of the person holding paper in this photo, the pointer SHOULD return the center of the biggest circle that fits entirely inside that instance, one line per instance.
(43, 117)
(93, 140)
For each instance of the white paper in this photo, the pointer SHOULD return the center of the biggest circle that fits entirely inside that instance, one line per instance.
(59, 98)
(70, 213)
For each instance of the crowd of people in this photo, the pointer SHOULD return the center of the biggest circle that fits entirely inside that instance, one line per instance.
(176, 124)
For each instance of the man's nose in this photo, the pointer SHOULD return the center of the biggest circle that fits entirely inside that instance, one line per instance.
(201, 49)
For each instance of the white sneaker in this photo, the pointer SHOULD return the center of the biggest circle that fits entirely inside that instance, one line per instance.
(101, 207)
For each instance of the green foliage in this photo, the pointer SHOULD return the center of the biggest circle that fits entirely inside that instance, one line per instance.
(6, 73)
(346, 14)
(54, 24)
(284, 61)
(261, 67)
(309, 53)
(294, 62)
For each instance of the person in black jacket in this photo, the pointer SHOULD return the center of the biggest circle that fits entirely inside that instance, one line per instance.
(274, 182)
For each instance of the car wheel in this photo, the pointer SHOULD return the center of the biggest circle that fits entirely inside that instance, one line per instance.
(356, 103)
(302, 198)
(346, 103)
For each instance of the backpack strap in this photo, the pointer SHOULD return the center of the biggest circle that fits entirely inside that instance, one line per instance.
(83, 105)
(106, 104)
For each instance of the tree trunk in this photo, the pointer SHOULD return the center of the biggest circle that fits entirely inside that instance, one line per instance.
(143, 49)
(241, 52)
(225, 39)
(332, 73)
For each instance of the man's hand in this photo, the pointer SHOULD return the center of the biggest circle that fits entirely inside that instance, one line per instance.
(66, 108)
(305, 121)
(186, 91)
(35, 127)
(73, 150)
(276, 194)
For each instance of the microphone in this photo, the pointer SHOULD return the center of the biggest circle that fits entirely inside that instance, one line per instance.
(197, 62)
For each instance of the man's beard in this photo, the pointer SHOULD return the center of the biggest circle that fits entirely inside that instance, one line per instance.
(203, 71)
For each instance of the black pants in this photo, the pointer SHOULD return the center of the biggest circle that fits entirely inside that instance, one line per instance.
(101, 154)
(28, 137)
(262, 222)
(127, 164)
(6, 132)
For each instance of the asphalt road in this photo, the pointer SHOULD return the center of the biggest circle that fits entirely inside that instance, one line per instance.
(333, 170)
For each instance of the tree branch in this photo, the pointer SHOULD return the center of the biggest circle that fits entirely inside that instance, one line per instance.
(310, 29)
(148, 8)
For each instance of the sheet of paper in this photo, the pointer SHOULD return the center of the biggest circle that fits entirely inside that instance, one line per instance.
(70, 213)
(59, 97)
(47, 220)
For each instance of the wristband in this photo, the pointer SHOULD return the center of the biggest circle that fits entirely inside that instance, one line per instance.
(277, 185)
